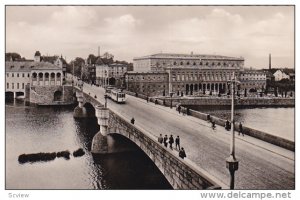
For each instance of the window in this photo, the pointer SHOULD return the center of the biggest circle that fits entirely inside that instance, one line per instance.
(28, 75)
(181, 63)
(12, 75)
(23, 75)
(17, 74)
(18, 85)
(7, 85)
(23, 85)
(13, 86)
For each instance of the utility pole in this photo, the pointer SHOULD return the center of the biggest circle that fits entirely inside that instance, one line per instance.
(232, 164)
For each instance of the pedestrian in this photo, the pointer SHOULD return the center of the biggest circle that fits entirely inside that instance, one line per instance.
(213, 125)
(208, 118)
(177, 142)
(182, 153)
(147, 99)
(155, 101)
(132, 120)
(241, 129)
(166, 141)
(160, 139)
(95, 96)
(171, 141)
(227, 125)
(179, 109)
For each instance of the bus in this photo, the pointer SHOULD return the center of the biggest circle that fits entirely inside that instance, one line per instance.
(118, 96)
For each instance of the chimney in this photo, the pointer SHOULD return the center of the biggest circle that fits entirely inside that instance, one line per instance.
(270, 64)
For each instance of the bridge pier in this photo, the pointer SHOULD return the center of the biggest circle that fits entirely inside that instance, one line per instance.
(79, 111)
(99, 143)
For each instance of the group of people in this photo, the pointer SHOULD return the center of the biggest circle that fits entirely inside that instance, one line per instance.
(228, 127)
(165, 140)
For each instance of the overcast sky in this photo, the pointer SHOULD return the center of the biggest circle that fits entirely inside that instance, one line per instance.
(132, 31)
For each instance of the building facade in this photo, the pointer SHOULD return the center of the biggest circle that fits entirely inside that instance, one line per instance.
(148, 83)
(253, 80)
(191, 74)
(279, 75)
(111, 75)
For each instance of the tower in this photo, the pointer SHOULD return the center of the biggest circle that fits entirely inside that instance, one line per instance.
(37, 56)
(270, 64)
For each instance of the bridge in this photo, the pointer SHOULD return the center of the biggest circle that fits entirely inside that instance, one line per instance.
(262, 165)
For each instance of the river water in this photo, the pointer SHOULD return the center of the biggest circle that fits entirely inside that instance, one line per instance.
(275, 121)
(31, 129)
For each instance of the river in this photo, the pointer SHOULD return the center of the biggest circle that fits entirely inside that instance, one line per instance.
(31, 129)
(275, 121)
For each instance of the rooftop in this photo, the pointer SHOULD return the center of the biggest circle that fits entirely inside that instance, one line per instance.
(26, 66)
(188, 56)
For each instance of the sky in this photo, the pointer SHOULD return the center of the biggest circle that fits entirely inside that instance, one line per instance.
(133, 31)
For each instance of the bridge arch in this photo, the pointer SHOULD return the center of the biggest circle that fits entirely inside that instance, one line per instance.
(90, 109)
(57, 95)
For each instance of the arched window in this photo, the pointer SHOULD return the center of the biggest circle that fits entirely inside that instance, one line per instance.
(41, 75)
(34, 75)
(207, 64)
(201, 63)
(58, 75)
(194, 63)
(181, 63)
(52, 75)
(174, 63)
(46, 75)
(187, 63)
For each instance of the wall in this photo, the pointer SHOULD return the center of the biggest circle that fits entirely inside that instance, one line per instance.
(214, 101)
(42, 95)
(249, 131)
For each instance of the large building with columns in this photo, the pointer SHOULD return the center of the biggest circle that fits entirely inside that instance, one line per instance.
(189, 74)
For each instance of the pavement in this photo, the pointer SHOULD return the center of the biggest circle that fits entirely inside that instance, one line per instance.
(261, 164)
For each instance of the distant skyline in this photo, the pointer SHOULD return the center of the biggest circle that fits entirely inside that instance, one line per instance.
(133, 31)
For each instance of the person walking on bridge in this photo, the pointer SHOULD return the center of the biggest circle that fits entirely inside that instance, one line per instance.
(132, 120)
(182, 153)
(177, 142)
(171, 141)
(160, 139)
(241, 129)
(166, 141)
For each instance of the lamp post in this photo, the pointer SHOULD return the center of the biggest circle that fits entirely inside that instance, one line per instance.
(232, 164)
(105, 98)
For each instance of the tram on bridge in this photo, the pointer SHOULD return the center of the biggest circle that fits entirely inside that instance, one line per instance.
(116, 95)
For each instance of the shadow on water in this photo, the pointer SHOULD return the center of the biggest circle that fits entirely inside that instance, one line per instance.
(129, 167)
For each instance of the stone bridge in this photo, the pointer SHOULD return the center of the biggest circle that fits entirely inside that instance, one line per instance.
(181, 174)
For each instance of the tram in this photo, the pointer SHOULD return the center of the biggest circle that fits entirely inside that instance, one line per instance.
(118, 96)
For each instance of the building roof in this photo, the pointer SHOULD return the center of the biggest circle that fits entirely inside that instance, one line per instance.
(28, 66)
(37, 53)
(188, 56)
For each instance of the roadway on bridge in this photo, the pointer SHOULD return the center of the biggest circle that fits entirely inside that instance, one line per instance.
(262, 165)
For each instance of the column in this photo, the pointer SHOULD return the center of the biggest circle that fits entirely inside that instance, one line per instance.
(79, 111)
(55, 76)
(99, 143)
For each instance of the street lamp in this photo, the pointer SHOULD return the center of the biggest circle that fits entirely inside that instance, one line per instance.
(232, 164)
(105, 98)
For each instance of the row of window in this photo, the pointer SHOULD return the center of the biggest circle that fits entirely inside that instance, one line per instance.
(12, 86)
(18, 74)
(200, 63)
(254, 78)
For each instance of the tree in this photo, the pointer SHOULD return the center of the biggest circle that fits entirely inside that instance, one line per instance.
(78, 66)
(13, 57)
(92, 59)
